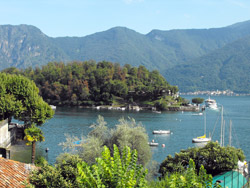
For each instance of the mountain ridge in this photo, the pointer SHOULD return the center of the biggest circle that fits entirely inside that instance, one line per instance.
(23, 46)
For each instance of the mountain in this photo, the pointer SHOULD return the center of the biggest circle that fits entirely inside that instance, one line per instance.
(226, 68)
(23, 46)
(118, 44)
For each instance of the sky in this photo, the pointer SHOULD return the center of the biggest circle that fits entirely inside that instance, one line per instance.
(58, 18)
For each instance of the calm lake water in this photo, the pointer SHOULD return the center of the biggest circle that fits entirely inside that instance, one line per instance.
(184, 125)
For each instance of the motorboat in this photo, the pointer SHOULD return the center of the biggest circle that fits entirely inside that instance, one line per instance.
(161, 132)
(211, 103)
(53, 107)
(158, 112)
(153, 144)
(199, 114)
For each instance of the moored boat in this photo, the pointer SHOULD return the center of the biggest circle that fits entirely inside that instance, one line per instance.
(211, 103)
(201, 139)
(53, 107)
(161, 132)
(153, 144)
(158, 112)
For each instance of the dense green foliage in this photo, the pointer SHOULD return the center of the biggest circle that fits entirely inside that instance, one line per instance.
(24, 46)
(110, 170)
(188, 178)
(113, 171)
(62, 175)
(216, 159)
(87, 83)
(126, 133)
(117, 169)
(19, 98)
(197, 100)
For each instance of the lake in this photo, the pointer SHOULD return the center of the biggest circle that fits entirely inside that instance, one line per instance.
(183, 125)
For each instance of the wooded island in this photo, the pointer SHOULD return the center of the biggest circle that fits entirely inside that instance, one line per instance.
(89, 83)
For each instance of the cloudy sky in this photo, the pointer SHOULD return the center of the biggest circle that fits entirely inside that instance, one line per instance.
(83, 17)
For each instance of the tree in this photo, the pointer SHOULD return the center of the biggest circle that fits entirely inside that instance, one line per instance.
(116, 171)
(127, 133)
(188, 178)
(197, 100)
(216, 159)
(32, 135)
(19, 98)
(63, 174)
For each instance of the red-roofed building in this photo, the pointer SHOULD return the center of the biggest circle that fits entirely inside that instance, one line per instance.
(13, 173)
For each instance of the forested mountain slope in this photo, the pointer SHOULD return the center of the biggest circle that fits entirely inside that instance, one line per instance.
(226, 68)
(24, 46)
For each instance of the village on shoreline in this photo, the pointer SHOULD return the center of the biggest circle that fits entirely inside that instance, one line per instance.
(215, 93)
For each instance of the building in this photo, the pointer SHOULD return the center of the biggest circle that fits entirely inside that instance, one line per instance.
(13, 173)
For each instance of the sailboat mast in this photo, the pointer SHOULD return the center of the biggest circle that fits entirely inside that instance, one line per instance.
(205, 123)
(221, 127)
(230, 133)
(224, 125)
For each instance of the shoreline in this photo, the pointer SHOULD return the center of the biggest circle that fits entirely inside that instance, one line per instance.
(148, 108)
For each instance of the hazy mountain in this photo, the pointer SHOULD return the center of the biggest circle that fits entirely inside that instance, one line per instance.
(226, 68)
(118, 44)
(192, 43)
(23, 46)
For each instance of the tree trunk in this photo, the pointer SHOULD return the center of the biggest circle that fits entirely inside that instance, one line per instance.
(33, 154)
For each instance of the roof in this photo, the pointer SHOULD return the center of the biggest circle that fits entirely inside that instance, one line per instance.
(13, 173)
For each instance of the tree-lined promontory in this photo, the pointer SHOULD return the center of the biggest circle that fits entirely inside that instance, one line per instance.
(90, 83)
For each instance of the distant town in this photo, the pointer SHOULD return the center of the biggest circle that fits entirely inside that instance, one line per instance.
(217, 92)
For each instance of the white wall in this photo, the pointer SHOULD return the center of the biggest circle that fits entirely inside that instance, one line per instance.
(4, 133)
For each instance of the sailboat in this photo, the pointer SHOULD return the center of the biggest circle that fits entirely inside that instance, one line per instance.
(202, 139)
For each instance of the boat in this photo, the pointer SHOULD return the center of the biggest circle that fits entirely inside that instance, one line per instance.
(53, 107)
(202, 139)
(153, 144)
(161, 132)
(199, 114)
(158, 112)
(211, 103)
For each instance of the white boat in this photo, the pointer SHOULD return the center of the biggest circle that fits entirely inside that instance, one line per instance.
(153, 144)
(161, 132)
(158, 112)
(53, 107)
(211, 103)
(199, 114)
(202, 139)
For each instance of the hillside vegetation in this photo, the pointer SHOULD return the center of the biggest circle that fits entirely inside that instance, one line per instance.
(103, 83)
(170, 52)
(227, 68)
